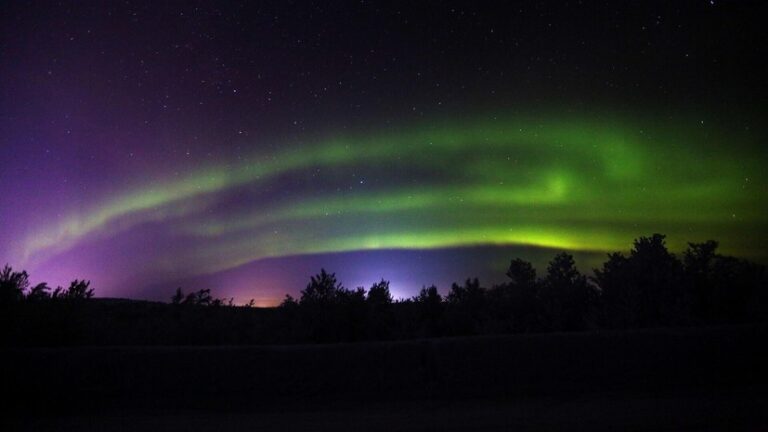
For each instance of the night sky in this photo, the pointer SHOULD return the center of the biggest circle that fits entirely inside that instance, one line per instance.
(242, 146)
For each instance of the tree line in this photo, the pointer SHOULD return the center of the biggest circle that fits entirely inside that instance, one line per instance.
(648, 287)
(15, 287)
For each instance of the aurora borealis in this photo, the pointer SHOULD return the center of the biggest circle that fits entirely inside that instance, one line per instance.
(187, 156)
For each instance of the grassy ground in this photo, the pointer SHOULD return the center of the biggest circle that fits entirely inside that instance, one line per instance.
(666, 379)
(584, 413)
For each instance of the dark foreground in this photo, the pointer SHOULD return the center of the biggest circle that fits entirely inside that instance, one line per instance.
(680, 379)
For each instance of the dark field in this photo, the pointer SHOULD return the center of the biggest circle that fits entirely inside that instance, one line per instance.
(667, 379)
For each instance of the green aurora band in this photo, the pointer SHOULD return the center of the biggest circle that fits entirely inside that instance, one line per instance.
(574, 184)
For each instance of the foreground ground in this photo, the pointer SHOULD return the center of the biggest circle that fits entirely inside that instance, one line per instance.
(680, 379)
(585, 413)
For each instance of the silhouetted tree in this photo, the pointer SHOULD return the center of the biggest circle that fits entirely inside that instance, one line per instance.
(380, 317)
(698, 258)
(12, 285)
(466, 312)
(644, 289)
(569, 300)
(722, 289)
(355, 310)
(698, 263)
(620, 299)
(521, 273)
(201, 297)
(326, 308)
(78, 290)
(379, 295)
(38, 293)
(739, 291)
(178, 297)
(429, 304)
(289, 302)
(469, 294)
(515, 305)
(323, 289)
